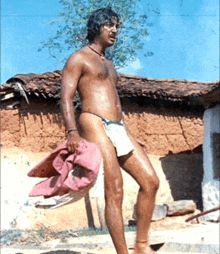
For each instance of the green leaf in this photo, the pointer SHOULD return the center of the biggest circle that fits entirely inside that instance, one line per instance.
(71, 31)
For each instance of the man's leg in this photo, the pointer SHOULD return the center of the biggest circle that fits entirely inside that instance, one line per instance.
(139, 167)
(93, 131)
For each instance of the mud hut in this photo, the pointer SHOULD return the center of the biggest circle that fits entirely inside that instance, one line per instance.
(166, 117)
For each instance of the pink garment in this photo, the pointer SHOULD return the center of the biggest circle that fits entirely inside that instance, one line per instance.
(59, 168)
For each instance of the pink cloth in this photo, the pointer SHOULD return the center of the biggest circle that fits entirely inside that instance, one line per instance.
(58, 165)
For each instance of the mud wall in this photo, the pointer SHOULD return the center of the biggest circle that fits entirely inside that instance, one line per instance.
(39, 127)
(163, 130)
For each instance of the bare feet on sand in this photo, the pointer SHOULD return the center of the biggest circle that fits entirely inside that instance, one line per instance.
(143, 248)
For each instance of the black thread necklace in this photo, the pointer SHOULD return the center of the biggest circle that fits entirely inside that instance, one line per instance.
(101, 55)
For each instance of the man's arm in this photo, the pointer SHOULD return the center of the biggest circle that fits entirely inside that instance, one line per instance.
(70, 77)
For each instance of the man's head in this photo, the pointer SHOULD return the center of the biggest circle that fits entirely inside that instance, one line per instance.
(98, 19)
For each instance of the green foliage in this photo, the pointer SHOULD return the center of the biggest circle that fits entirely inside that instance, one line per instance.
(71, 32)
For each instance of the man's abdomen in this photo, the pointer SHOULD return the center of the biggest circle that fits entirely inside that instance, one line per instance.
(110, 110)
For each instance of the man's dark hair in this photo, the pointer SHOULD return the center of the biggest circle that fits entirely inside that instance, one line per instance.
(97, 19)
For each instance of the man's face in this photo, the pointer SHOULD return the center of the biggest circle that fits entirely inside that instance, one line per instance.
(109, 31)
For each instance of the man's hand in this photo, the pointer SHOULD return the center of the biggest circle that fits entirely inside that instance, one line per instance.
(73, 141)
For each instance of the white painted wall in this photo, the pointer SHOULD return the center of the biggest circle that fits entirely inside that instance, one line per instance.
(210, 185)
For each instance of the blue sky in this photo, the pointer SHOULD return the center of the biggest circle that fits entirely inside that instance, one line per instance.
(184, 39)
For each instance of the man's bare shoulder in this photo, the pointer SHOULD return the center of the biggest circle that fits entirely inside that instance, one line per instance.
(77, 59)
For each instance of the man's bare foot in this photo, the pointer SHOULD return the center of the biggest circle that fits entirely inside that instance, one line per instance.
(143, 248)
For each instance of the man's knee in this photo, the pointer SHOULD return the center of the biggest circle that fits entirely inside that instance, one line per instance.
(152, 183)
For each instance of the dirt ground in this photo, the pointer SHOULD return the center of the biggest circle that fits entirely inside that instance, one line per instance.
(49, 228)
(17, 208)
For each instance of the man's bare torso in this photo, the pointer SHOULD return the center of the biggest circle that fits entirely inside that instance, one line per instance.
(96, 86)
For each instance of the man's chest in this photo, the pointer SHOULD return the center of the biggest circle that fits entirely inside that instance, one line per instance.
(101, 70)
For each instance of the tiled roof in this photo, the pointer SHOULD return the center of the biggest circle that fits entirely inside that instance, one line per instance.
(190, 92)
(45, 84)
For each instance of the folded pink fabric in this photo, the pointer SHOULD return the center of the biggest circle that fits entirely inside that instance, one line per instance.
(66, 171)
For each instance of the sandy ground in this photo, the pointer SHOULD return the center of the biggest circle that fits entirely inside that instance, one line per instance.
(17, 208)
(15, 185)
(17, 211)
(182, 238)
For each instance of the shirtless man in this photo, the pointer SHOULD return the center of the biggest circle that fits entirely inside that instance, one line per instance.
(94, 77)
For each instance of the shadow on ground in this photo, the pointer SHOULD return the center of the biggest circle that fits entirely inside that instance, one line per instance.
(155, 247)
(185, 173)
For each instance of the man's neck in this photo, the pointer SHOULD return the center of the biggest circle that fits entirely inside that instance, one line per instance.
(98, 47)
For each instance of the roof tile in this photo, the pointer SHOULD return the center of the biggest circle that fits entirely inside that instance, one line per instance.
(48, 84)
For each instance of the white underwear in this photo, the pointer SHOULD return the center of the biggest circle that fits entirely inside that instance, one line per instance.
(119, 137)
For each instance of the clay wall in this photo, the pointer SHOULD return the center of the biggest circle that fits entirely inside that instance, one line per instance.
(39, 127)
(163, 130)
